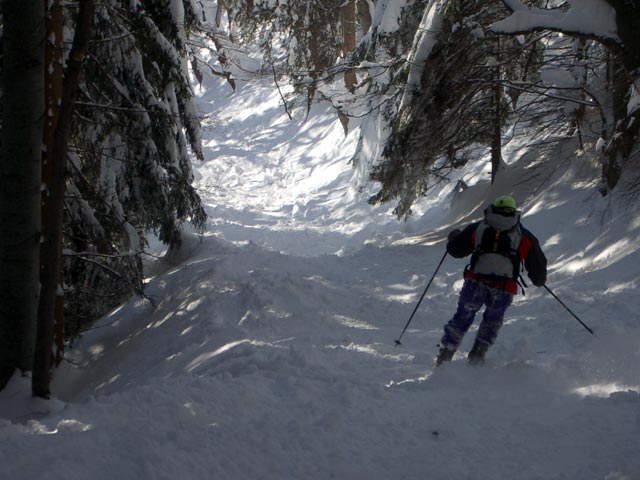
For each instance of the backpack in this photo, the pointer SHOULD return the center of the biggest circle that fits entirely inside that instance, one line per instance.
(496, 252)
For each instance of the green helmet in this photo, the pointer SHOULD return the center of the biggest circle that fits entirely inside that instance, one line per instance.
(504, 201)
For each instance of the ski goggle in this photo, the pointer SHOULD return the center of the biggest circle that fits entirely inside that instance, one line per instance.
(504, 211)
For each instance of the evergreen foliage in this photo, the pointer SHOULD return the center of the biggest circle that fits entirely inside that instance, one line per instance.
(130, 171)
(476, 82)
(309, 34)
(440, 84)
(134, 130)
(448, 113)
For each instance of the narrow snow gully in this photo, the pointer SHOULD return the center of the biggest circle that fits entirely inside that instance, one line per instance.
(269, 351)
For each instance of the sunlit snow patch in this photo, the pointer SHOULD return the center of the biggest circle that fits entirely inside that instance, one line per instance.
(604, 390)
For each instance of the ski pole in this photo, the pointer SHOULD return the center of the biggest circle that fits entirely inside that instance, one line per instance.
(420, 301)
(569, 310)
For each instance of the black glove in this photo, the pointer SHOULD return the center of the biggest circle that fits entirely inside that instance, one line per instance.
(453, 234)
(539, 281)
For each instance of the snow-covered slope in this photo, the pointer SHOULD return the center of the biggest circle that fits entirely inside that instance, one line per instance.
(268, 352)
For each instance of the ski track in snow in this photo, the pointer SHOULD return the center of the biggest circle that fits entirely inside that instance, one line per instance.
(270, 353)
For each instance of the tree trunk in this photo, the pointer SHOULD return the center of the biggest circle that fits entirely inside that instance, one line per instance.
(53, 98)
(616, 151)
(219, 9)
(364, 16)
(348, 21)
(20, 174)
(625, 71)
(51, 247)
(627, 21)
(316, 66)
(496, 136)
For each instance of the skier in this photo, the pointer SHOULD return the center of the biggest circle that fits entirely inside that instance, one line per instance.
(497, 245)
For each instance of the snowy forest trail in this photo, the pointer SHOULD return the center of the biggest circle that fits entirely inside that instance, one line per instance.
(269, 352)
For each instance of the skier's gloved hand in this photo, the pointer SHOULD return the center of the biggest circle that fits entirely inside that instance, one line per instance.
(539, 282)
(453, 234)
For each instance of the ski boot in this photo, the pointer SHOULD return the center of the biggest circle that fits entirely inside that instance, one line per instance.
(477, 353)
(444, 355)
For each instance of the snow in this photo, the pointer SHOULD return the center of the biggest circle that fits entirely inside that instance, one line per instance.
(589, 17)
(556, 76)
(177, 12)
(269, 351)
(387, 13)
(430, 27)
(634, 99)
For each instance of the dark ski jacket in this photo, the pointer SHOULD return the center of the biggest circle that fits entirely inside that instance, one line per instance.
(528, 252)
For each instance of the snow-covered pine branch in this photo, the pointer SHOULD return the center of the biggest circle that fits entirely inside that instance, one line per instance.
(586, 18)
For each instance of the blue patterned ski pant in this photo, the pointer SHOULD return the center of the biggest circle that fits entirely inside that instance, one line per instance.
(473, 296)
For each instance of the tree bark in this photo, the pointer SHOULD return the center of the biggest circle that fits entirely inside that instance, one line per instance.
(51, 248)
(219, 8)
(348, 21)
(496, 100)
(364, 16)
(625, 71)
(627, 21)
(53, 98)
(20, 174)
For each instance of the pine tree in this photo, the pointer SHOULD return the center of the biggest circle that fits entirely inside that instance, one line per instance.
(52, 240)
(621, 132)
(130, 170)
(126, 165)
(453, 104)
